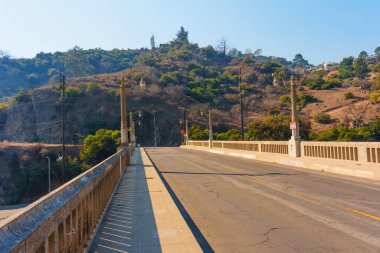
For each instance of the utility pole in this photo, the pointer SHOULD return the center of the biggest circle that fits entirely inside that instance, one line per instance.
(241, 106)
(184, 124)
(154, 129)
(123, 111)
(63, 87)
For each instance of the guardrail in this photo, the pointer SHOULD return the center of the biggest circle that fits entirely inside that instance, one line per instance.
(65, 219)
(360, 152)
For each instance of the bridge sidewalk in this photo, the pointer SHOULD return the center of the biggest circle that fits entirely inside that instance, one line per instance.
(142, 216)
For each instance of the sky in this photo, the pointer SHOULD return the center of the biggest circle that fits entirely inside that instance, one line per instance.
(321, 30)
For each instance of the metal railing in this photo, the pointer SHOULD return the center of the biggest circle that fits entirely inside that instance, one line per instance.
(65, 219)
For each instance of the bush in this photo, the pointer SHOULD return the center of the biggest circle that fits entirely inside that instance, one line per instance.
(232, 134)
(373, 97)
(376, 83)
(99, 146)
(195, 133)
(21, 97)
(304, 99)
(276, 128)
(73, 92)
(323, 118)
(92, 87)
(343, 133)
(285, 100)
(348, 95)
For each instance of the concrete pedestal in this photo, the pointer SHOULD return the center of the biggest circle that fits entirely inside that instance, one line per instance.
(295, 147)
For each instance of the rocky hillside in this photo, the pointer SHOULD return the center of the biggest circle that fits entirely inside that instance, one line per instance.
(23, 170)
(179, 75)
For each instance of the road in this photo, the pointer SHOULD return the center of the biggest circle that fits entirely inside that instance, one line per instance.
(241, 205)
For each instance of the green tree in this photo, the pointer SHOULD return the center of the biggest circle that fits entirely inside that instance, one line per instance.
(182, 37)
(363, 54)
(345, 67)
(300, 61)
(275, 128)
(360, 67)
(99, 146)
(377, 51)
(198, 134)
(232, 134)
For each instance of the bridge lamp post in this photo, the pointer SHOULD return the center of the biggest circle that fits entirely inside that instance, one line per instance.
(241, 105)
(295, 141)
(123, 111)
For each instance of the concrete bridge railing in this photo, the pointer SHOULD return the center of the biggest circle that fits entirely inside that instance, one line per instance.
(359, 152)
(279, 147)
(65, 219)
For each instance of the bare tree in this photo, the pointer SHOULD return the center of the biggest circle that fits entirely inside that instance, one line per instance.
(358, 113)
(223, 46)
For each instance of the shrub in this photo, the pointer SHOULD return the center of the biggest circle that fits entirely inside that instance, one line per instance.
(373, 97)
(73, 92)
(198, 134)
(232, 134)
(285, 100)
(323, 118)
(276, 128)
(348, 95)
(21, 97)
(304, 99)
(92, 87)
(376, 83)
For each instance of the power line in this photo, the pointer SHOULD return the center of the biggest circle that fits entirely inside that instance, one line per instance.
(35, 124)
(33, 130)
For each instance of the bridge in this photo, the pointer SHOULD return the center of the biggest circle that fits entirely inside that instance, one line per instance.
(222, 196)
(211, 196)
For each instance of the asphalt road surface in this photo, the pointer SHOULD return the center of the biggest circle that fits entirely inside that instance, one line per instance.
(240, 205)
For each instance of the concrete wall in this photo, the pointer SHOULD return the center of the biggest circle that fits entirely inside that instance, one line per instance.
(360, 159)
(65, 219)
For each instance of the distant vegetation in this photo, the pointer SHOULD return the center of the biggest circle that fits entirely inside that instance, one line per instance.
(190, 75)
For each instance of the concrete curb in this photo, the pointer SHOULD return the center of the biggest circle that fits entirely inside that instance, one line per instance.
(176, 224)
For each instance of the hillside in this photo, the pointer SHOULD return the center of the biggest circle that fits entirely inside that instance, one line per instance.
(180, 74)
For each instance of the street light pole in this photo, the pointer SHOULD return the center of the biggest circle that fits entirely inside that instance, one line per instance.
(123, 111)
(49, 172)
(295, 141)
(241, 106)
(154, 129)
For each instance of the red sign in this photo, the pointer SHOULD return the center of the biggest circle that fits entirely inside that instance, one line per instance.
(182, 132)
(293, 125)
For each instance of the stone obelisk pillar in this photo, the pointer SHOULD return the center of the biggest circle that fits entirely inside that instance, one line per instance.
(123, 111)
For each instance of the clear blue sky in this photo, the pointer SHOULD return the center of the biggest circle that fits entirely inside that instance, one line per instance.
(321, 30)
